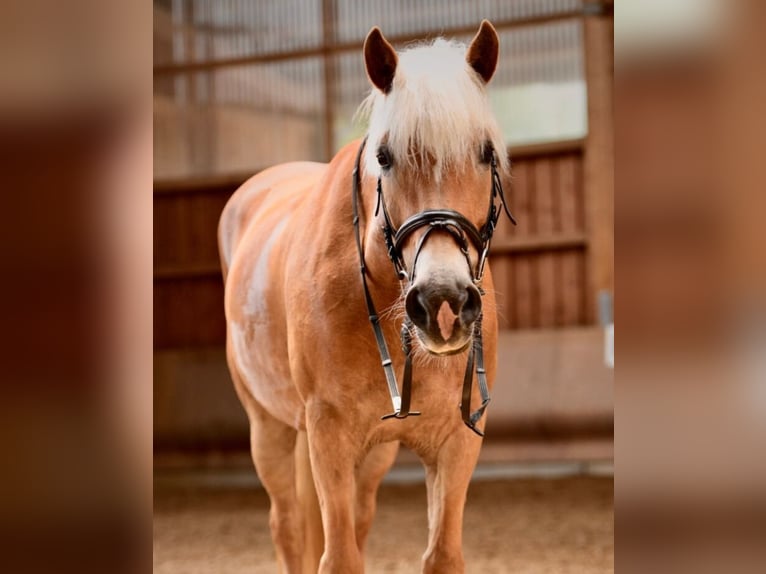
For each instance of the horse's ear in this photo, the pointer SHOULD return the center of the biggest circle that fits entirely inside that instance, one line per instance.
(380, 59)
(483, 51)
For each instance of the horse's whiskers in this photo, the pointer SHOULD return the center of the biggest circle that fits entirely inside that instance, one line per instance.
(397, 310)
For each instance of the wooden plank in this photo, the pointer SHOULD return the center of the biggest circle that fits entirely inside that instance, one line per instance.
(181, 216)
(546, 276)
(222, 183)
(571, 288)
(580, 194)
(584, 303)
(568, 193)
(185, 231)
(533, 273)
(533, 243)
(521, 201)
(544, 262)
(531, 198)
(544, 196)
(501, 263)
(573, 146)
(202, 233)
(204, 269)
(568, 288)
(189, 313)
(522, 288)
(515, 190)
(505, 229)
(500, 268)
(556, 193)
(511, 310)
(162, 222)
(599, 159)
(559, 300)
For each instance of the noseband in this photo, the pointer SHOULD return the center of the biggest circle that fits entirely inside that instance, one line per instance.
(465, 234)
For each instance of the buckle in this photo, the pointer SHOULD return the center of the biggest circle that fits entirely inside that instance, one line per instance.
(399, 415)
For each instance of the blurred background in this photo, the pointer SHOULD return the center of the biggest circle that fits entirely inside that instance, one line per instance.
(76, 174)
(241, 85)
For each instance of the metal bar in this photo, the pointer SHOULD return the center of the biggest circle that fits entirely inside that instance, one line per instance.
(340, 47)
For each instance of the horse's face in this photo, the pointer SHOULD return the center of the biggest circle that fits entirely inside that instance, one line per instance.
(441, 299)
(427, 162)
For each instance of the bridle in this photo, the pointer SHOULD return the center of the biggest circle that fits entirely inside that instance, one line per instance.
(465, 234)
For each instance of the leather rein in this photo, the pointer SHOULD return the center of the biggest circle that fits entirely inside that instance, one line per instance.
(465, 233)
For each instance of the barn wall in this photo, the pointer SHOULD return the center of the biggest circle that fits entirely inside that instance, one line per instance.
(539, 265)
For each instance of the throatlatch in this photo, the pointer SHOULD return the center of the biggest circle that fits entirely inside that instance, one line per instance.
(463, 231)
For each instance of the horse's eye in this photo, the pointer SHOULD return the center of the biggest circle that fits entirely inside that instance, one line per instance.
(384, 157)
(487, 151)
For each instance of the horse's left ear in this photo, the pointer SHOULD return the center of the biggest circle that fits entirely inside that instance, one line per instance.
(380, 60)
(483, 51)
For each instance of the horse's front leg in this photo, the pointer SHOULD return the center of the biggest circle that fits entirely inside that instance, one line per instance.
(335, 447)
(447, 478)
(369, 474)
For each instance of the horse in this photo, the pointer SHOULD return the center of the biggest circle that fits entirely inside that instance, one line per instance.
(399, 221)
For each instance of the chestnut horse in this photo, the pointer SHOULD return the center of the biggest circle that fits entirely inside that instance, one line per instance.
(306, 264)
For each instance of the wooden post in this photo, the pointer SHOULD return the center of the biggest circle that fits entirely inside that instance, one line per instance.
(329, 16)
(598, 31)
(190, 96)
(209, 121)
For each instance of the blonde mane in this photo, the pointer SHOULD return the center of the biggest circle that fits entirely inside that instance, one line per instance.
(437, 107)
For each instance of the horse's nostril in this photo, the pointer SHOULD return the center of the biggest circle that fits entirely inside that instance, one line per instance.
(472, 306)
(416, 308)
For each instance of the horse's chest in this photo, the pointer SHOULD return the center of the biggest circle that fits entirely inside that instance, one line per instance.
(437, 400)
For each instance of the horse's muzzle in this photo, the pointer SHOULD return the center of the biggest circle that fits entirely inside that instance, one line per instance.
(444, 315)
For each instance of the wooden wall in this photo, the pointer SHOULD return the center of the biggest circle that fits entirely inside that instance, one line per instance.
(539, 266)
(188, 289)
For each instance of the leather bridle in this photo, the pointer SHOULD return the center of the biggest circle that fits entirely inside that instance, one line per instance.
(465, 234)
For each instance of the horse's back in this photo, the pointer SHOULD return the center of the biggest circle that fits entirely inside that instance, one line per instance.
(264, 191)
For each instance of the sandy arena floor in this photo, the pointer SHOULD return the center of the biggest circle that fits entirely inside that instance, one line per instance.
(540, 526)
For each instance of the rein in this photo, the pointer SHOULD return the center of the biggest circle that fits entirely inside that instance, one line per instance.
(463, 231)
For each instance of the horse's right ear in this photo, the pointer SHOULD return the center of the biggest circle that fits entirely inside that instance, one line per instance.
(483, 51)
(380, 59)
